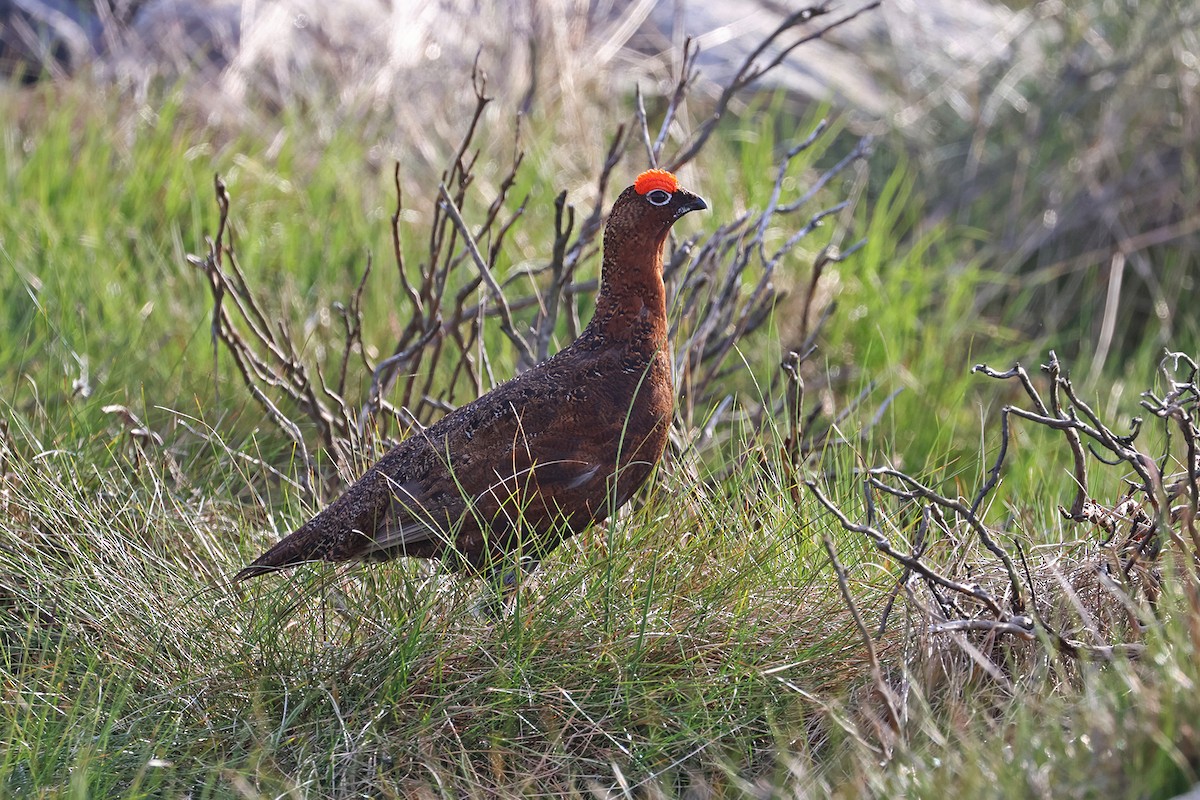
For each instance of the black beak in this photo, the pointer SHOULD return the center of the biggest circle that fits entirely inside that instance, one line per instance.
(690, 203)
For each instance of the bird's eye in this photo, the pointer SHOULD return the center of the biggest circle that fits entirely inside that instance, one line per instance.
(659, 197)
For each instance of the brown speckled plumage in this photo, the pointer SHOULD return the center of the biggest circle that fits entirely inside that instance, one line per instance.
(559, 447)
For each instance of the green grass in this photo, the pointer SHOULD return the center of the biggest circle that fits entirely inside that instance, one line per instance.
(697, 642)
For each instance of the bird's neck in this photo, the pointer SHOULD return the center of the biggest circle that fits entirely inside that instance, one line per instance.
(632, 304)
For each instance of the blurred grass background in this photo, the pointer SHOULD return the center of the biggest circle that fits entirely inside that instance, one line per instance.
(697, 647)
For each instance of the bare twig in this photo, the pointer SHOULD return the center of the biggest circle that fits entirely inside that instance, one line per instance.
(916, 565)
(506, 320)
(751, 71)
(890, 701)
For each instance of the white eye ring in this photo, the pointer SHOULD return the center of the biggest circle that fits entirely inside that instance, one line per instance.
(658, 197)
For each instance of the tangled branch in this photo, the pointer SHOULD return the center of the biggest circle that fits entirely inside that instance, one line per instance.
(1154, 516)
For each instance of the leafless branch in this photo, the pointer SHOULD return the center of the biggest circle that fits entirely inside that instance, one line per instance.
(1135, 529)
(751, 70)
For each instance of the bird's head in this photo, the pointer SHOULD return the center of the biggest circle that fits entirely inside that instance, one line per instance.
(646, 210)
(631, 281)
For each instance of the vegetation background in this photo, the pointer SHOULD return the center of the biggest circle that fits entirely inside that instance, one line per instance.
(706, 643)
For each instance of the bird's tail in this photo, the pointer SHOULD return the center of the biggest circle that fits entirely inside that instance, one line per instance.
(304, 545)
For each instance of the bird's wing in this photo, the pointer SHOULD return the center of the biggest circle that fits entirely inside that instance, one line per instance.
(418, 515)
(483, 464)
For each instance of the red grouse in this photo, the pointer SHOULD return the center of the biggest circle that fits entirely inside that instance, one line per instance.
(541, 457)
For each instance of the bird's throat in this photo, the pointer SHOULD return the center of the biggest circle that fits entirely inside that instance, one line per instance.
(632, 302)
